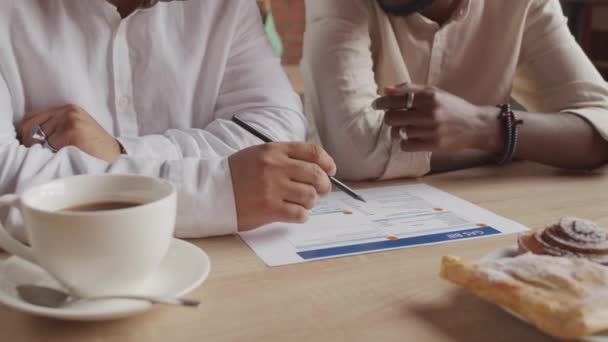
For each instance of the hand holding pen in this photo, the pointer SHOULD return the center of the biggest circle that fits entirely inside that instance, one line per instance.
(338, 184)
(277, 182)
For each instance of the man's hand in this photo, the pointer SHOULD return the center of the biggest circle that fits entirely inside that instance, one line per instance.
(440, 121)
(279, 182)
(70, 125)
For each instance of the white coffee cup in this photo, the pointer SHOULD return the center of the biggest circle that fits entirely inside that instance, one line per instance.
(95, 253)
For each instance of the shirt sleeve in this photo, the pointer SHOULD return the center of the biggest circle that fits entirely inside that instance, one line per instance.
(205, 196)
(554, 74)
(338, 72)
(254, 87)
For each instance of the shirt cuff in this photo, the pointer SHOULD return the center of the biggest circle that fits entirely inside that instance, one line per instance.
(209, 209)
(406, 164)
(152, 146)
(597, 117)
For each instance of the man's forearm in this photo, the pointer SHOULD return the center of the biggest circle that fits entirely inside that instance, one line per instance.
(450, 161)
(441, 122)
(562, 139)
(196, 180)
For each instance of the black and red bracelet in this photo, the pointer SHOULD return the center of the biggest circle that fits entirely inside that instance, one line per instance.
(510, 126)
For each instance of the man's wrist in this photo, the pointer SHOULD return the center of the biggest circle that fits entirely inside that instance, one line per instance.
(490, 134)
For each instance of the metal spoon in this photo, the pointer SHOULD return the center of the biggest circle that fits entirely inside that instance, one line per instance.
(51, 298)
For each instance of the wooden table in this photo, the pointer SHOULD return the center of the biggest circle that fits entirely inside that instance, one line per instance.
(390, 296)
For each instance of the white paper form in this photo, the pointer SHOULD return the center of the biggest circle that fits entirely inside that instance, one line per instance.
(393, 217)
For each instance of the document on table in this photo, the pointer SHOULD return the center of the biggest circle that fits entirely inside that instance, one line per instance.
(393, 217)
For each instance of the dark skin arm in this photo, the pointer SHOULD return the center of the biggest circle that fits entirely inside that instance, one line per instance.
(461, 134)
(578, 143)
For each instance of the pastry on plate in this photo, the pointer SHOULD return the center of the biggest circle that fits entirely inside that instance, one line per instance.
(564, 297)
(570, 237)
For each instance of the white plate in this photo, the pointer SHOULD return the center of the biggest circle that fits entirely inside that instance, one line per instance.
(184, 268)
(511, 251)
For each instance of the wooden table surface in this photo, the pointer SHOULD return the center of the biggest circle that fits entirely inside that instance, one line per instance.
(388, 296)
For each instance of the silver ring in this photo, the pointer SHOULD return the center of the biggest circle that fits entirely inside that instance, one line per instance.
(39, 135)
(403, 134)
(409, 104)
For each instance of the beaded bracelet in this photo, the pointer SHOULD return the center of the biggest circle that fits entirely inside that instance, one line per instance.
(510, 124)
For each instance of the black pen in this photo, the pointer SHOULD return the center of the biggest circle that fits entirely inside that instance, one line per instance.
(266, 139)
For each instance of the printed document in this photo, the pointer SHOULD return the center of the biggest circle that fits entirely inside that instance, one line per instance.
(393, 217)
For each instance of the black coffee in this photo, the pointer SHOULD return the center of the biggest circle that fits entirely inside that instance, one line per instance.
(102, 206)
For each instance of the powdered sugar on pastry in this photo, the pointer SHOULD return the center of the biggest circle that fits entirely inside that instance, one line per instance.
(571, 277)
(564, 297)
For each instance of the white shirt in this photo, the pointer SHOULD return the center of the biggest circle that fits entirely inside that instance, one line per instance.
(165, 81)
(487, 52)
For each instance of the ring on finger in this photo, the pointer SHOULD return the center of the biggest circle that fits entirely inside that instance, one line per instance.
(403, 134)
(40, 136)
(409, 100)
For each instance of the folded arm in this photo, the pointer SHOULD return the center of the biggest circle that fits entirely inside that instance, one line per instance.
(221, 186)
(197, 180)
(556, 77)
(195, 160)
(566, 122)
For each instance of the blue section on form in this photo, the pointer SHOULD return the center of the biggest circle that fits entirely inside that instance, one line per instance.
(405, 242)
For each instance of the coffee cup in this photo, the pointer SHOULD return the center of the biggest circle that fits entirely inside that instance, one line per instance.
(96, 234)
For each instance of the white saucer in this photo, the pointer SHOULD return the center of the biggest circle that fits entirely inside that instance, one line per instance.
(184, 268)
(511, 251)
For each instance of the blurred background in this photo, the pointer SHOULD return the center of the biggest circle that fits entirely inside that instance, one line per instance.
(588, 20)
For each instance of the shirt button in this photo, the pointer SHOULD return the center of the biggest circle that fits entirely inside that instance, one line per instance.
(124, 101)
